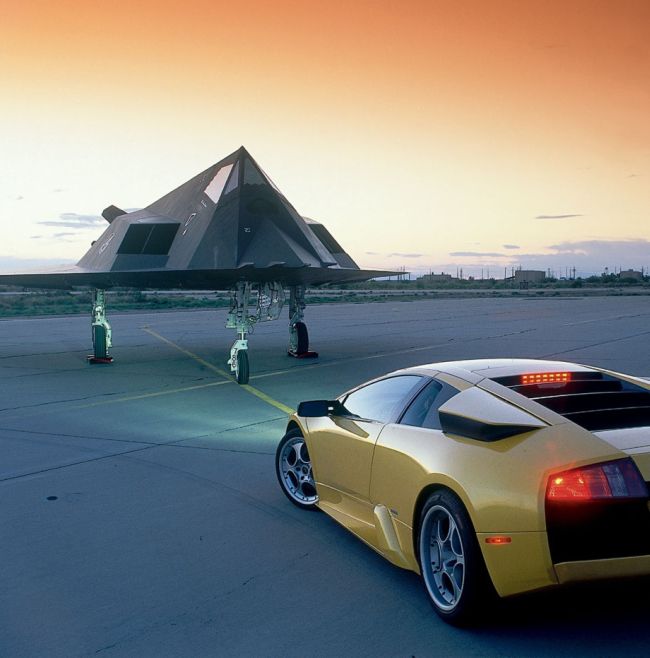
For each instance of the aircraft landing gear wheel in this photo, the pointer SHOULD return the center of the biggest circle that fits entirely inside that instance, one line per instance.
(293, 468)
(451, 563)
(99, 341)
(242, 371)
(302, 337)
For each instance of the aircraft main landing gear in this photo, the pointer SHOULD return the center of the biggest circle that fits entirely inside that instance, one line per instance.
(101, 330)
(298, 334)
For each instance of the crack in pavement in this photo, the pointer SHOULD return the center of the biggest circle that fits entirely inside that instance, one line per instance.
(146, 445)
(598, 344)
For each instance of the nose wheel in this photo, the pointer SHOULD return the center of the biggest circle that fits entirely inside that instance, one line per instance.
(238, 361)
(241, 367)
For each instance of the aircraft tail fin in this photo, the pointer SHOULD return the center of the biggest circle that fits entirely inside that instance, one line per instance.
(112, 212)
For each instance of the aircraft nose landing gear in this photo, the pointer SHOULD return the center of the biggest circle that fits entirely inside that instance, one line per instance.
(243, 316)
(246, 311)
(239, 359)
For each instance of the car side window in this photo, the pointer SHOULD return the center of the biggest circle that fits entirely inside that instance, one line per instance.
(383, 400)
(423, 411)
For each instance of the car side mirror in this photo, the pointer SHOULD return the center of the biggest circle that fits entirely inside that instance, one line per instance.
(319, 408)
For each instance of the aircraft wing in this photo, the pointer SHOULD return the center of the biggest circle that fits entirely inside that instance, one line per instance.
(208, 279)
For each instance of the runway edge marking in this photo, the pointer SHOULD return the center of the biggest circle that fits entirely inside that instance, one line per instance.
(246, 387)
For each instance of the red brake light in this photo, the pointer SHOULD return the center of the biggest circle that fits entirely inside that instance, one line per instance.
(616, 479)
(546, 378)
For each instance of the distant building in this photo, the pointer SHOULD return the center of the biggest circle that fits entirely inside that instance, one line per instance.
(436, 278)
(529, 276)
(630, 274)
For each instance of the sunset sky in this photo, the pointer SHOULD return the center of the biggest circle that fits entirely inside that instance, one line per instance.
(430, 135)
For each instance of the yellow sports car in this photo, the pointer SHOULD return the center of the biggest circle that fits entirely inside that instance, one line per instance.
(503, 475)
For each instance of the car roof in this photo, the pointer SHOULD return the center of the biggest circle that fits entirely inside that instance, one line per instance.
(473, 370)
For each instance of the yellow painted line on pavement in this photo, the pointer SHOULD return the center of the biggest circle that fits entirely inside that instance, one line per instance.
(246, 387)
(197, 358)
(268, 399)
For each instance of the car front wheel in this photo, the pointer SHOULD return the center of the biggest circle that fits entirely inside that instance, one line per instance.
(451, 563)
(293, 468)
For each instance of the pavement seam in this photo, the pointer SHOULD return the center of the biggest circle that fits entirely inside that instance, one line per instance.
(78, 463)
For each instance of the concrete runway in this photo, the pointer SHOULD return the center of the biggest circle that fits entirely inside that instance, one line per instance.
(140, 513)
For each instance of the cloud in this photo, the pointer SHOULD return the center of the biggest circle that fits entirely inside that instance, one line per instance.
(511, 246)
(62, 235)
(13, 264)
(395, 254)
(556, 216)
(74, 220)
(477, 254)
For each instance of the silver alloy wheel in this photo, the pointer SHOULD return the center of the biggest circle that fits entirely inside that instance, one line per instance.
(442, 557)
(295, 471)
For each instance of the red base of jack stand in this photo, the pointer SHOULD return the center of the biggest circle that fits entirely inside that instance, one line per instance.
(96, 359)
(303, 355)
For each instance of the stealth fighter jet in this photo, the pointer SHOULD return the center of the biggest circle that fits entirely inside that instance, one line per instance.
(228, 228)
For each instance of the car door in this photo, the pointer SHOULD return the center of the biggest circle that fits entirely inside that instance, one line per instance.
(404, 452)
(342, 446)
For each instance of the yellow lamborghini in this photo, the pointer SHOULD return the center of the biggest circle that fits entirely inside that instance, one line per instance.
(504, 475)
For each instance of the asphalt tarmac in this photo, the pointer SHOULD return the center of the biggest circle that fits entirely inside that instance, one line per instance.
(140, 514)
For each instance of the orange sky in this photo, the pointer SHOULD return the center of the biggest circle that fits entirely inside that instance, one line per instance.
(426, 129)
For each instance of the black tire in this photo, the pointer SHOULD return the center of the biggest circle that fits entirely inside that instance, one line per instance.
(99, 341)
(302, 337)
(293, 470)
(242, 367)
(451, 563)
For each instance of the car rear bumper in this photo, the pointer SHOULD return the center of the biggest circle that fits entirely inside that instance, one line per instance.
(620, 567)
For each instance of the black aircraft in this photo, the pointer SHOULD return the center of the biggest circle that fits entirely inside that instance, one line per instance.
(229, 228)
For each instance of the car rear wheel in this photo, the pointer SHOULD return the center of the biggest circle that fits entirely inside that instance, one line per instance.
(293, 468)
(451, 563)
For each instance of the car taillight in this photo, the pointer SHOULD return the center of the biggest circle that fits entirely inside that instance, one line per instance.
(615, 479)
